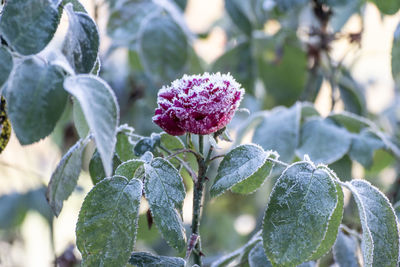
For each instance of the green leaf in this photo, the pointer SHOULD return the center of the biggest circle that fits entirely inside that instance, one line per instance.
(181, 4)
(64, 179)
(35, 99)
(285, 5)
(125, 147)
(352, 94)
(6, 65)
(125, 21)
(13, 210)
(279, 131)
(343, 168)
(81, 44)
(145, 259)
(239, 164)
(256, 180)
(363, 147)
(165, 192)
(388, 7)
(29, 32)
(333, 227)
(380, 237)
(298, 214)
(352, 122)
(163, 48)
(239, 12)
(77, 6)
(396, 57)
(240, 63)
(96, 169)
(345, 250)
(81, 125)
(36, 201)
(106, 228)
(147, 144)
(274, 64)
(127, 169)
(258, 258)
(323, 141)
(101, 111)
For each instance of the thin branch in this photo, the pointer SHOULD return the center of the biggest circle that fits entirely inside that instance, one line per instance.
(277, 162)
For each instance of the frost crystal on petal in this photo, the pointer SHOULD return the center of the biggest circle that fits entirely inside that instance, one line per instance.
(199, 104)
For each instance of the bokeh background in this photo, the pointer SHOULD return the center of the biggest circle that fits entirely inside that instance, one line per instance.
(274, 60)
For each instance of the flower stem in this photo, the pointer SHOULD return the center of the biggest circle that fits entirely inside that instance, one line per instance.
(198, 189)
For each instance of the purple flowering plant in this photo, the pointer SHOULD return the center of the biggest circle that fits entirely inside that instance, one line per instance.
(306, 158)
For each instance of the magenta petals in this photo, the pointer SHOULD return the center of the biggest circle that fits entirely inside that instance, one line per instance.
(198, 104)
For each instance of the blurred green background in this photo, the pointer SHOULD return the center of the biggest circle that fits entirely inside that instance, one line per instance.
(335, 54)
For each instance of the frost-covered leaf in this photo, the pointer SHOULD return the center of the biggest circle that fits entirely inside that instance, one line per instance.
(101, 111)
(163, 48)
(279, 131)
(345, 250)
(396, 57)
(6, 64)
(239, 11)
(64, 178)
(258, 258)
(145, 259)
(239, 164)
(333, 227)
(80, 123)
(363, 147)
(106, 228)
(29, 25)
(35, 99)
(352, 122)
(323, 141)
(125, 147)
(256, 180)
(147, 144)
(125, 21)
(81, 44)
(380, 237)
(127, 169)
(96, 169)
(77, 6)
(388, 7)
(165, 192)
(298, 214)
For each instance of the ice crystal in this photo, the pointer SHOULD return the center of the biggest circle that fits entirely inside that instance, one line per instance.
(199, 104)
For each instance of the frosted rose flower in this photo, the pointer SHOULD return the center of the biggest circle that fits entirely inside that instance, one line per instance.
(199, 104)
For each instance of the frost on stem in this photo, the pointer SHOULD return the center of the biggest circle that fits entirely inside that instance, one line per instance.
(198, 104)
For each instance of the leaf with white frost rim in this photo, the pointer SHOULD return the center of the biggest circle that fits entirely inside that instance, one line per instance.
(64, 178)
(128, 168)
(298, 213)
(81, 44)
(323, 141)
(35, 99)
(28, 26)
(165, 192)
(238, 165)
(106, 228)
(100, 107)
(380, 237)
